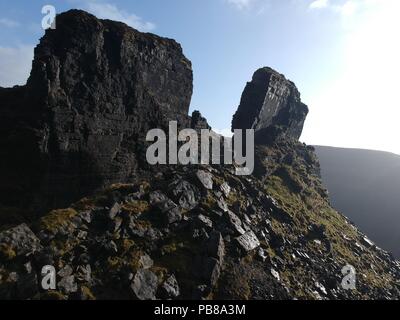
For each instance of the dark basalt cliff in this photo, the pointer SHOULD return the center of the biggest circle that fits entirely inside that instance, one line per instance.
(177, 232)
(271, 106)
(95, 89)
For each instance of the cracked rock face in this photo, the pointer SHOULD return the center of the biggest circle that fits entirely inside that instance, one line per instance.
(248, 241)
(187, 232)
(144, 285)
(95, 89)
(270, 104)
(104, 249)
(21, 240)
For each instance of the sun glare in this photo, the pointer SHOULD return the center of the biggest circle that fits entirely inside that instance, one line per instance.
(361, 108)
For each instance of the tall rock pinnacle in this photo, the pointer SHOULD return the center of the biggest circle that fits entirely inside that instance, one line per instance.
(270, 102)
(95, 89)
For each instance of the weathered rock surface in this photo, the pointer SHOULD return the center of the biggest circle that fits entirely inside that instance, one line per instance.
(20, 240)
(205, 178)
(248, 241)
(198, 122)
(95, 89)
(144, 285)
(183, 232)
(170, 288)
(270, 105)
(226, 255)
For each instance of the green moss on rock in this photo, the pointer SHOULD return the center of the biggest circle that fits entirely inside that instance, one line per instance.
(7, 253)
(136, 207)
(57, 218)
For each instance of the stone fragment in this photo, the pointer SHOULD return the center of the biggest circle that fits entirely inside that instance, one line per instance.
(205, 179)
(204, 221)
(234, 222)
(145, 261)
(144, 285)
(186, 194)
(21, 240)
(275, 274)
(248, 241)
(68, 285)
(226, 189)
(270, 104)
(170, 288)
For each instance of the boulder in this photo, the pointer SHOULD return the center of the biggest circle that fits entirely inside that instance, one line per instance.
(226, 189)
(170, 288)
(114, 210)
(204, 221)
(65, 271)
(234, 222)
(20, 240)
(95, 89)
(68, 285)
(186, 194)
(205, 178)
(248, 241)
(171, 212)
(173, 215)
(144, 285)
(84, 273)
(145, 261)
(270, 105)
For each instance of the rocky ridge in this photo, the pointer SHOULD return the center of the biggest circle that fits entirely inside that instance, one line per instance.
(95, 87)
(181, 232)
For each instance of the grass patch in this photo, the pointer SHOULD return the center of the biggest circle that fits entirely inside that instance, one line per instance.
(136, 207)
(7, 253)
(57, 218)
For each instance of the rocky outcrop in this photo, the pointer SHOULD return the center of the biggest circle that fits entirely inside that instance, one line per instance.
(198, 121)
(183, 232)
(270, 105)
(259, 241)
(95, 89)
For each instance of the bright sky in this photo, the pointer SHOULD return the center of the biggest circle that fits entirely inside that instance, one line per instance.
(342, 54)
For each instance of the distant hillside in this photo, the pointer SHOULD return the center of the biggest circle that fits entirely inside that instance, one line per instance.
(365, 186)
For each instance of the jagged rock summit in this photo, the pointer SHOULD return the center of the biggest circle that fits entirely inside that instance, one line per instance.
(95, 89)
(184, 232)
(270, 105)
